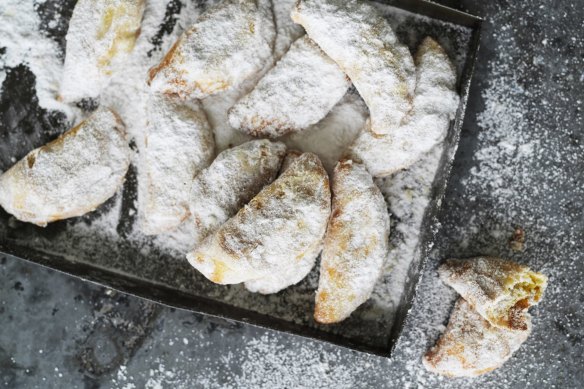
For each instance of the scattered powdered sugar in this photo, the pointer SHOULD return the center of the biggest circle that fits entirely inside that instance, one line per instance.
(24, 43)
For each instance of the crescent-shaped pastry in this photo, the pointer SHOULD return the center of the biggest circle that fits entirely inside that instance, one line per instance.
(100, 33)
(276, 230)
(229, 43)
(232, 180)
(178, 144)
(305, 80)
(471, 346)
(435, 104)
(355, 246)
(501, 291)
(70, 176)
(359, 39)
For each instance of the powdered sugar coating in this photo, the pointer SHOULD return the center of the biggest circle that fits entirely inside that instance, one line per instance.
(471, 346)
(286, 220)
(229, 43)
(232, 180)
(499, 290)
(70, 176)
(100, 33)
(287, 30)
(178, 144)
(435, 104)
(360, 40)
(355, 246)
(298, 92)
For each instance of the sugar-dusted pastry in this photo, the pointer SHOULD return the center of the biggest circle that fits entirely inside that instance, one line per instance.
(355, 246)
(298, 92)
(501, 291)
(276, 230)
(435, 104)
(100, 33)
(70, 176)
(178, 144)
(230, 42)
(290, 157)
(359, 39)
(471, 346)
(232, 180)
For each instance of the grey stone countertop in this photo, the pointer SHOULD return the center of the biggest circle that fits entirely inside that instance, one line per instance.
(520, 164)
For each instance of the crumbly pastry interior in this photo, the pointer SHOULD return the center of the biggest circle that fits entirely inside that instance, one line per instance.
(232, 180)
(229, 43)
(280, 226)
(471, 346)
(360, 40)
(70, 176)
(355, 246)
(178, 144)
(304, 81)
(100, 33)
(501, 291)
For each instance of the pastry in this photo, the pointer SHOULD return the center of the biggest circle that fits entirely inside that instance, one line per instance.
(101, 32)
(471, 346)
(355, 246)
(70, 176)
(276, 230)
(178, 144)
(290, 157)
(501, 291)
(229, 43)
(359, 39)
(435, 104)
(298, 92)
(232, 180)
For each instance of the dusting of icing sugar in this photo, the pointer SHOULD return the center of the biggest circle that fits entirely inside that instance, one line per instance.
(358, 38)
(283, 224)
(355, 245)
(230, 42)
(25, 43)
(100, 34)
(232, 180)
(178, 145)
(297, 92)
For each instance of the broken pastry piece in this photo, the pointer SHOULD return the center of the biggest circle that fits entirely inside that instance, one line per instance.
(305, 80)
(178, 144)
(229, 43)
(355, 246)
(471, 346)
(359, 39)
(435, 104)
(280, 228)
(501, 291)
(100, 33)
(70, 176)
(232, 180)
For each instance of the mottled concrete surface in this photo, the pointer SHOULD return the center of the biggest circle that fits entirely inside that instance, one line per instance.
(520, 164)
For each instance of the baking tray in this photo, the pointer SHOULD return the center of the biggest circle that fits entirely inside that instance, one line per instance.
(142, 270)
